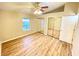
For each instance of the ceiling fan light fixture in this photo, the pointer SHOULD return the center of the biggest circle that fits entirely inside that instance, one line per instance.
(39, 12)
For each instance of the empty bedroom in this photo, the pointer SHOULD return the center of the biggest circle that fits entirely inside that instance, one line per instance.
(39, 28)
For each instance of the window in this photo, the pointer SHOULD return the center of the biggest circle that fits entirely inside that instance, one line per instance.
(26, 24)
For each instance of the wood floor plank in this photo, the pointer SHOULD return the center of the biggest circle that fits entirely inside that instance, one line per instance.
(36, 45)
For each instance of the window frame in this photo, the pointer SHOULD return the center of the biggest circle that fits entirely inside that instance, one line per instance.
(26, 27)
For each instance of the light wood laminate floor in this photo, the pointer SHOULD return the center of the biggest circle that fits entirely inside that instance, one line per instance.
(36, 45)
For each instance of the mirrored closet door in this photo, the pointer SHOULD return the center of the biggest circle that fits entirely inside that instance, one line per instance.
(54, 24)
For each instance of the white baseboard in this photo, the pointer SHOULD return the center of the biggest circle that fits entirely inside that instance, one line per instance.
(16, 37)
(0, 48)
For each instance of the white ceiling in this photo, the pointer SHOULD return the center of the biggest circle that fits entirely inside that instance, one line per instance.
(28, 7)
(52, 5)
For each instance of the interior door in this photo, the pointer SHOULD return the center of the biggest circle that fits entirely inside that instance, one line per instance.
(67, 28)
(57, 25)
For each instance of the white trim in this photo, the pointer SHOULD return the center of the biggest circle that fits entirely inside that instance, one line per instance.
(0, 48)
(17, 37)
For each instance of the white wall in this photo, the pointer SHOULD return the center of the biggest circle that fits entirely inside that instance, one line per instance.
(11, 25)
(67, 28)
(75, 48)
(45, 26)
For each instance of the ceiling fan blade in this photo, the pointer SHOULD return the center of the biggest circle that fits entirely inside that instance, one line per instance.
(36, 4)
(44, 7)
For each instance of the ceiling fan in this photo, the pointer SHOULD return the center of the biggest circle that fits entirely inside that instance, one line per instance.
(39, 9)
